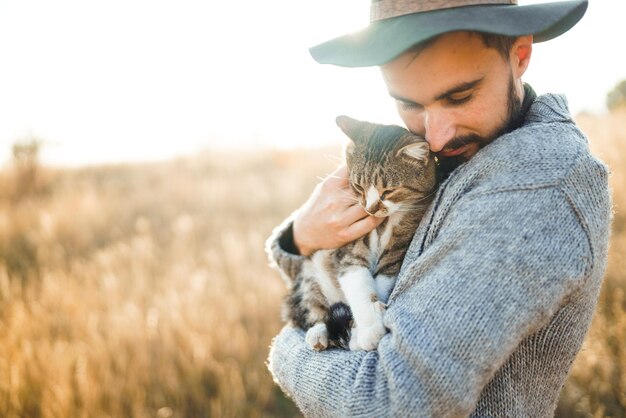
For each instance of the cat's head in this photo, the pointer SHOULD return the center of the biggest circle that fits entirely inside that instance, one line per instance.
(390, 169)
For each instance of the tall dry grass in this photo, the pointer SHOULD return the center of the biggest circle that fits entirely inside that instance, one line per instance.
(597, 384)
(143, 291)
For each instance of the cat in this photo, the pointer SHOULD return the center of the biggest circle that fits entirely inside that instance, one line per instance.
(340, 296)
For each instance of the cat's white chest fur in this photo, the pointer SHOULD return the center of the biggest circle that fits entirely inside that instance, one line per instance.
(378, 242)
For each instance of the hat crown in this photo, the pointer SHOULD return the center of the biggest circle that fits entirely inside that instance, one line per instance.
(385, 9)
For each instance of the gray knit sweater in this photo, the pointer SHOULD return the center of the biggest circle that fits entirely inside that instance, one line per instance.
(495, 295)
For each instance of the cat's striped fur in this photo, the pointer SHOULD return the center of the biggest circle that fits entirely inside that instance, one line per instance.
(392, 175)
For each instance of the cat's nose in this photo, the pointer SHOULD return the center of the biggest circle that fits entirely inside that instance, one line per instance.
(372, 198)
(374, 207)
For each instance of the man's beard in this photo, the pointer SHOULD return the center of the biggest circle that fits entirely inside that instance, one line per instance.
(511, 122)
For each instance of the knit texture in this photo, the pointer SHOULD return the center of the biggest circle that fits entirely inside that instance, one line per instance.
(495, 295)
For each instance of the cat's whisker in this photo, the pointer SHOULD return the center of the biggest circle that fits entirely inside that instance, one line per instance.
(412, 207)
(425, 197)
(407, 210)
(334, 157)
(429, 194)
(348, 193)
(352, 199)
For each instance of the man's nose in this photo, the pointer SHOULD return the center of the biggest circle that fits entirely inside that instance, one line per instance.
(439, 130)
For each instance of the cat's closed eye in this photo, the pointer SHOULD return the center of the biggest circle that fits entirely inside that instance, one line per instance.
(386, 194)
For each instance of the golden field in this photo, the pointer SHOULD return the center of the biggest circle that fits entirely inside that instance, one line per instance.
(143, 290)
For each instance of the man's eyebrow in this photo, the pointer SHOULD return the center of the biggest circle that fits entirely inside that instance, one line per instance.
(456, 89)
(401, 99)
(460, 88)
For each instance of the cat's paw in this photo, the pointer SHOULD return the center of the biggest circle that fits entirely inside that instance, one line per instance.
(353, 345)
(368, 337)
(380, 308)
(317, 337)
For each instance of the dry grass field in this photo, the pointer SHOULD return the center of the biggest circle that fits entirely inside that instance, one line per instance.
(143, 290)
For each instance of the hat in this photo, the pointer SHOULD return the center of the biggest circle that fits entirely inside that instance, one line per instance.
(397, 25)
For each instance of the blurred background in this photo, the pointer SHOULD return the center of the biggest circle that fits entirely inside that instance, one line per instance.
(147, 150)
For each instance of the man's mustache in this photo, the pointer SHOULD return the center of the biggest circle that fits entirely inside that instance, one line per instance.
(464, 140)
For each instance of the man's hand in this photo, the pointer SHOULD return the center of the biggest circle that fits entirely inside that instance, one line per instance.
(332, 217)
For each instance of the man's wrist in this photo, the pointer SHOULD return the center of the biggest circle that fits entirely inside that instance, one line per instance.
(286, 241)
(301, 248)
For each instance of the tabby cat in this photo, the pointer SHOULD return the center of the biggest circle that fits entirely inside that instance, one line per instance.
(392, 175)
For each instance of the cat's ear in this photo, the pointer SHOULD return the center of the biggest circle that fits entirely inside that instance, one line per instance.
(355, 129)
(349, 148)
(419, 151)
(351, 128)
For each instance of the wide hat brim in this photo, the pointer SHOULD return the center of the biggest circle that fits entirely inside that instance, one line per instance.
(384, 40)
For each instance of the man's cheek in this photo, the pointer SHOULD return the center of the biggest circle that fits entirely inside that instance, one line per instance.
(413, 122)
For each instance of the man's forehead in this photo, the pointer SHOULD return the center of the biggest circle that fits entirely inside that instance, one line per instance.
(447, 47)
(453, 59)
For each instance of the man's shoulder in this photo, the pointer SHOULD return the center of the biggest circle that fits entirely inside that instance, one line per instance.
(548, 149)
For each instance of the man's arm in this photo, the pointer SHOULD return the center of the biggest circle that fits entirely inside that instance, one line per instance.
(501, 265)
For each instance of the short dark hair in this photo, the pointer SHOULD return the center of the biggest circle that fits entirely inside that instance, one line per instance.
(500, 43)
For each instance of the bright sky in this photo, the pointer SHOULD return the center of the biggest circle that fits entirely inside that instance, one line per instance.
(120, 80)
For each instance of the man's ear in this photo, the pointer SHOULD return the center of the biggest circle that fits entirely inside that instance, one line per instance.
(521, 51)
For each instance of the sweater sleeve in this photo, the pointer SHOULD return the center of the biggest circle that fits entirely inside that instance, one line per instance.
(498, 269)
(282, 253)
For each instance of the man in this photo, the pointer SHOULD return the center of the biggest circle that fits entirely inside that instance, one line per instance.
(498, 288)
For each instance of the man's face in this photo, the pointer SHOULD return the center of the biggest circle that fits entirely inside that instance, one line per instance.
(457, 93)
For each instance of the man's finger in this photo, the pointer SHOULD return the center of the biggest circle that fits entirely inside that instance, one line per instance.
(363, 226)
(354, 213)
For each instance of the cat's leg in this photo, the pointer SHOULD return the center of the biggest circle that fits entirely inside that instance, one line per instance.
(384, 286)
(307, 308)
(317, 337)
(359, 288)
